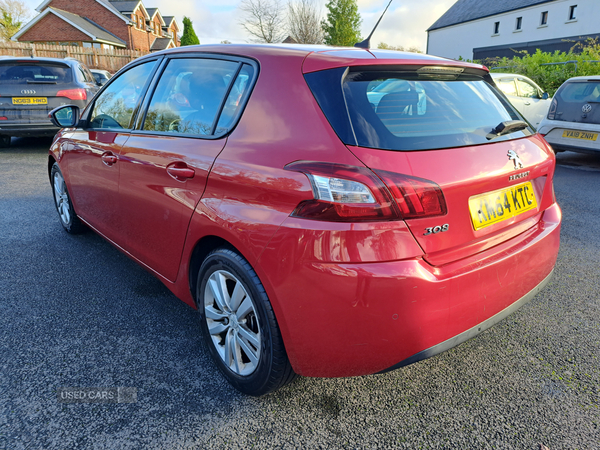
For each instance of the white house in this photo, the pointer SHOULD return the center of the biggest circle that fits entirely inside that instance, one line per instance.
(478, 29)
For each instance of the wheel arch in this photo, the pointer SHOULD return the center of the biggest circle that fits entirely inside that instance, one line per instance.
(203, 247)
(51, 161)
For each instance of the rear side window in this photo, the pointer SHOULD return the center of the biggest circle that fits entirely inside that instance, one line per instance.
(115, 106)
(527, 89)
(507, 85)
(416, 111)
(34, 73)
(191, 93)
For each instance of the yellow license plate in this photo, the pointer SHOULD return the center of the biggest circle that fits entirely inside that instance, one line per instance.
(493, 207)
(30, 101)
(586, 135)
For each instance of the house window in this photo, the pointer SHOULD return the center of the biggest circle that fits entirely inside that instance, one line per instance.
(572, 12)
(496, 27)
(544, 18)
(519, 24)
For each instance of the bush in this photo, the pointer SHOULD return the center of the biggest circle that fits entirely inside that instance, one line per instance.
(551, 77)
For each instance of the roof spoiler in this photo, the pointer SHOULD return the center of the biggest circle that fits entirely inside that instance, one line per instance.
(367, 42)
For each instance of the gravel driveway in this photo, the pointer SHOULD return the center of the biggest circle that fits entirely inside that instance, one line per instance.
(75, 312)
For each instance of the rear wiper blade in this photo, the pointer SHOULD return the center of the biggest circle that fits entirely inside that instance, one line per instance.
(507, 127)
(40, 82)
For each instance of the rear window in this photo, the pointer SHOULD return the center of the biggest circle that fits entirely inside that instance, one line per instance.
(407, 110)
(580, 92)
(577, 102)
(34, 73)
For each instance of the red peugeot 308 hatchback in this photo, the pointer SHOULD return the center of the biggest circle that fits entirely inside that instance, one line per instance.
(331, 212)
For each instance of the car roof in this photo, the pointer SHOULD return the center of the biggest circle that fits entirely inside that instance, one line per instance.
(28, 59)
(504, 74)
(329, 56)
(584, 78)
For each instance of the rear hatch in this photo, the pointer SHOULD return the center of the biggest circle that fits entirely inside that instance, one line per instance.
(577, 101)
(434, 138)
(29, 88)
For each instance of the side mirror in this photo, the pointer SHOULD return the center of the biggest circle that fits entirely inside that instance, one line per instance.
(545, 96)
(65, 116)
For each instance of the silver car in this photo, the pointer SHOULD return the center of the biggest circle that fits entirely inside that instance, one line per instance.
(526, 96)
(573, 121)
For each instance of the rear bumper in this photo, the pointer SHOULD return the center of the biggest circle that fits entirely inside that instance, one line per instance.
(349, 319)
(553, 133)
(28, 129)
(472, 332)
(573, 148)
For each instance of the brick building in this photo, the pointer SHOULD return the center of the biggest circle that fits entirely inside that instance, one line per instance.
(101, 24)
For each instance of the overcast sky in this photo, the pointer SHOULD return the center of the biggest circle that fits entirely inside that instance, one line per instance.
(216, 20)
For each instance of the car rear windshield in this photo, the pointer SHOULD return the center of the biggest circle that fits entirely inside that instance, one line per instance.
(410, 110)
(573, 99)
(28, 73)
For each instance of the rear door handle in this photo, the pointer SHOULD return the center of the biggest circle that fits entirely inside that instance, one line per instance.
(527, 103)
(180, 171)
(109, 158)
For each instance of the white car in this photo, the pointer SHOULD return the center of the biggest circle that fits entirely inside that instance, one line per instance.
(573, 121)
(526, 96)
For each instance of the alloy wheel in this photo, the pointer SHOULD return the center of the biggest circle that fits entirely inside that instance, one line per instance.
(62, 198)
(232, 322)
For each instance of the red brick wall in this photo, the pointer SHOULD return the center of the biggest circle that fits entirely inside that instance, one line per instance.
(134, 37)
(96, 12)
(52, 28)
(140, 39)
(173, 31)
(157, 26)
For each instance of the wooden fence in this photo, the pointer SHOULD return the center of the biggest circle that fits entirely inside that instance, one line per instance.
(95, 58)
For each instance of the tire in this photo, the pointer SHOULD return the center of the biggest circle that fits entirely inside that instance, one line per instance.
(4, 141)
(239, 326)
(68, 219)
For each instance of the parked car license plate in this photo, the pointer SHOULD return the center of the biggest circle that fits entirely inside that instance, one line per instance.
(30, 101)
(493, 207)
(580, 135)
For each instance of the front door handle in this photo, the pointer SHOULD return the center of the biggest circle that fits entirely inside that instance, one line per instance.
(109, 158)
(180, 171)
(527, 103)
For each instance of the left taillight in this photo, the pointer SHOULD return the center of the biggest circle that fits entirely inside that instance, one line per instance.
(552, 109)
(73, 94)
(356, 194)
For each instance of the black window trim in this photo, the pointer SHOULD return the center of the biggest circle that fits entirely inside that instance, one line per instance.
(133, 120)
(139, 124)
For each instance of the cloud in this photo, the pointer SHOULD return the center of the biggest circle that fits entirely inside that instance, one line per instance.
(404, 24)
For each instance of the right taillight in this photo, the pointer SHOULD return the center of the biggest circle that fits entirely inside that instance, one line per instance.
(356, 194)
(73, 94)
(552, 109)
(416, 197)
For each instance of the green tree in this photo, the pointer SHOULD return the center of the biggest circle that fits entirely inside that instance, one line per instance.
(550, 76)
(189, 35)
(400, 48)
(342, 26)
(13, 14)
